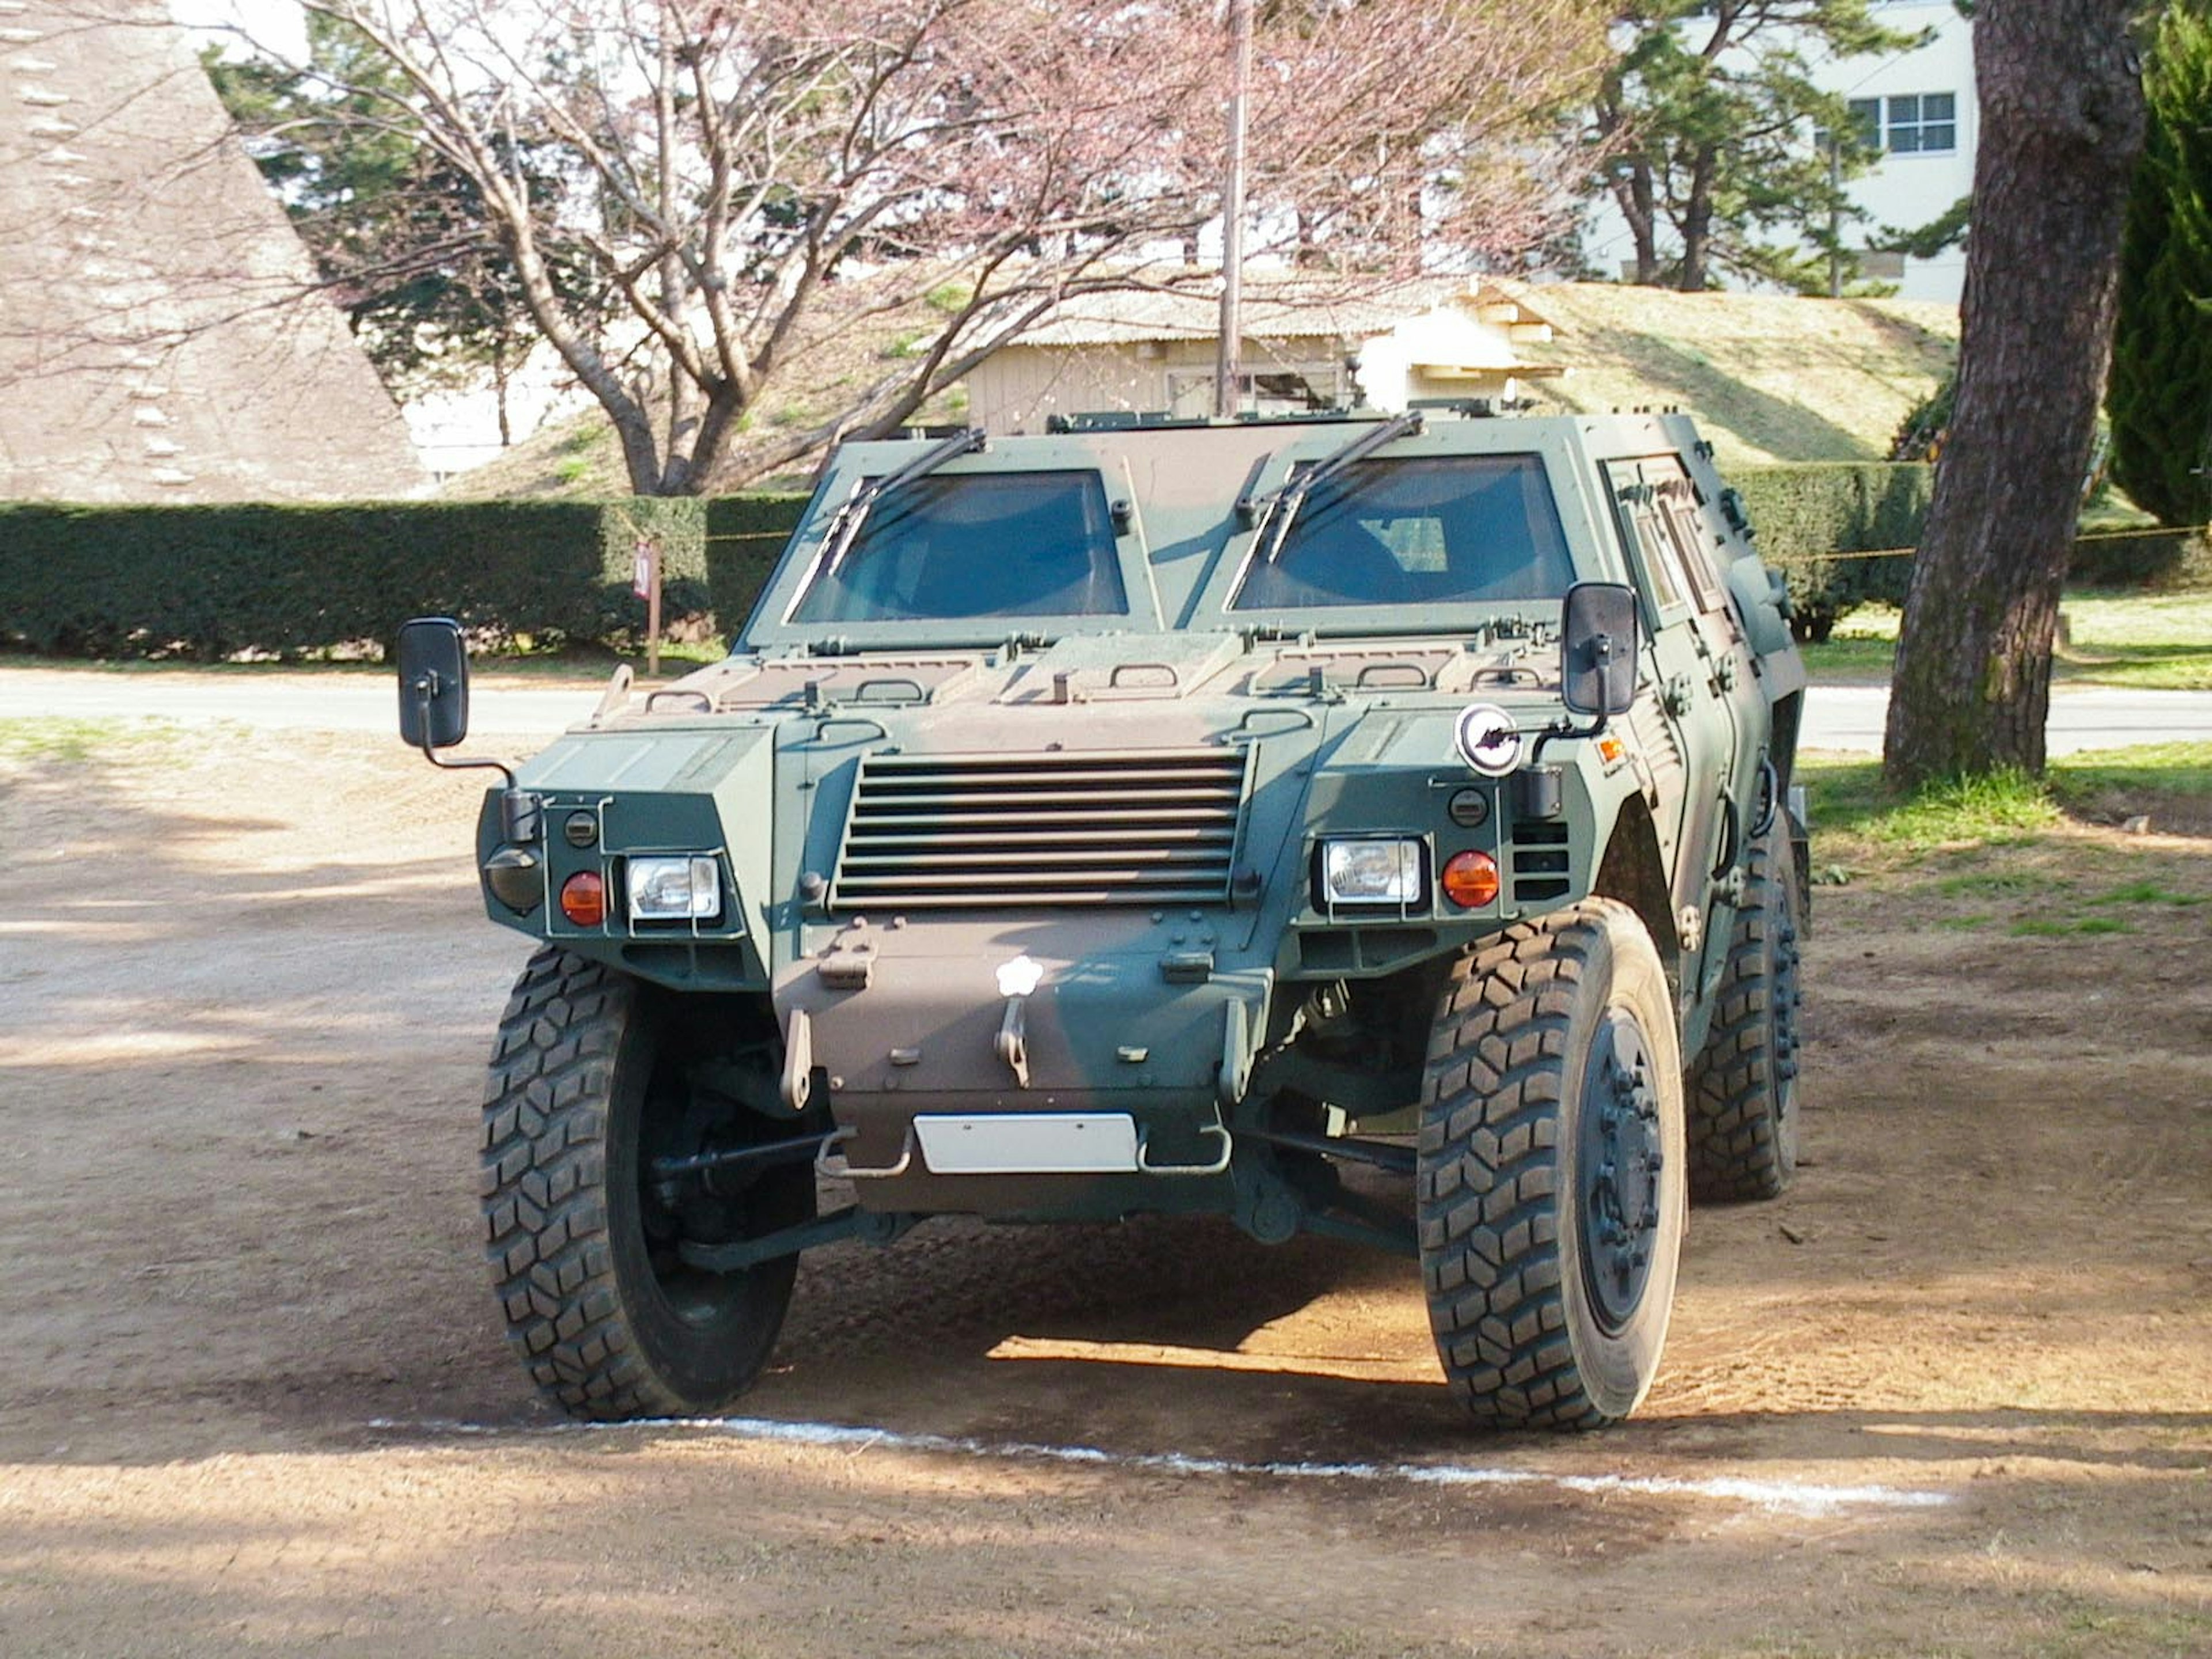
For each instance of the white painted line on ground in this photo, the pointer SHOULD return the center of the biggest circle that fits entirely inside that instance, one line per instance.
(1810, 1500)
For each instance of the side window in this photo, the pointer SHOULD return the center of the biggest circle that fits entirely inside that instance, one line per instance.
(1650, 544)
(1686, 523)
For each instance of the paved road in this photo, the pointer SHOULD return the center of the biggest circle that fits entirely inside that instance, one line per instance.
(1851, 718)
(1841, 717)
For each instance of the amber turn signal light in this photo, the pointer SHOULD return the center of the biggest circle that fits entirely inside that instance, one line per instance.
(584, 899)
(1470, 879)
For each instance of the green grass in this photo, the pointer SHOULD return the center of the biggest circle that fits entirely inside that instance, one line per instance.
(2147, 642)
(2063, 927)
(2166, 768)
(1849, 804)
(1857, 823)
(33, 739)
(2149, 892)
(2004, 882)
(1996, 853)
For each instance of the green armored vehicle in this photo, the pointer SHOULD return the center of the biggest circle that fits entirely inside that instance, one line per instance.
(1379, 827)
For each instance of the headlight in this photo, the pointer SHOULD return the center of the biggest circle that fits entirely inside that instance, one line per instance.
(1372, 872)
(688, 889)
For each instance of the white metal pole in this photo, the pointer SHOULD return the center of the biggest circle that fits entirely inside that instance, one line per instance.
(1226, 396)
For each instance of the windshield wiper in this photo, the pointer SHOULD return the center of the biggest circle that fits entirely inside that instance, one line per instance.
(1277, 514)
(851, 516)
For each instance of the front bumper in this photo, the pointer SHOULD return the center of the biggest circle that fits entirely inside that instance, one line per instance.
(1120, 1029)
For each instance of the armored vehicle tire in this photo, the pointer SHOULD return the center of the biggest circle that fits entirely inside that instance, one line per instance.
(589, 1084)
(1743, 1089)
(1550, 1189)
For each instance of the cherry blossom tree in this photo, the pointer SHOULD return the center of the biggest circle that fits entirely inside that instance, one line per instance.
(742, 184)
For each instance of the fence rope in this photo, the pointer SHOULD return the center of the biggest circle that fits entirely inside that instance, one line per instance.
(1908, 552)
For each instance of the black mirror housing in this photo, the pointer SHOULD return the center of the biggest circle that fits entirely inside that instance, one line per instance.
(1600, 633)
(433, 684)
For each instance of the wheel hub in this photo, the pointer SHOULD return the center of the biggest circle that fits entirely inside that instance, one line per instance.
(1619, 1163)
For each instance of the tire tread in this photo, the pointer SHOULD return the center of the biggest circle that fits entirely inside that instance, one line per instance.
(1487, 1183)
(542, 1169)
(1736, 1082)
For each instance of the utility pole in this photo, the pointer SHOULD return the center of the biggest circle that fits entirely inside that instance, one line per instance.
(1226, 396)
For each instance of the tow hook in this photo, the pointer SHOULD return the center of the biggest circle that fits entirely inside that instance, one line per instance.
(1012, 1044)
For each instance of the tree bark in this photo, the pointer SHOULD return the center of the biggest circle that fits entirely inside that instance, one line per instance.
(1640, 210)
(2061, 122)
(1697, 224)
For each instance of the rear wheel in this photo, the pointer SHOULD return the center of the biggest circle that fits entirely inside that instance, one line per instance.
(594, 1079)
(1550, 1175)
(1743, 1088)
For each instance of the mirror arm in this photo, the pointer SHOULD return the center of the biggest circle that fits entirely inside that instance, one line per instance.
(426, 689)
(1564, 728)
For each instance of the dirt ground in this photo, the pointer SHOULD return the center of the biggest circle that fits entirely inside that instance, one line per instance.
(1953, 1395)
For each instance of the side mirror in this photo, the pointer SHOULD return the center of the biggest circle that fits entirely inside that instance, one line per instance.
(433, 684)
(1599, 632)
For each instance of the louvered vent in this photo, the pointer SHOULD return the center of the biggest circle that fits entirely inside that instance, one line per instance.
(1157, 826)
(1654, 741)
(1539, 860)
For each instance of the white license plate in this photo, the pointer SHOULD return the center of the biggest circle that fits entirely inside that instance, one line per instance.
(1028, 1143)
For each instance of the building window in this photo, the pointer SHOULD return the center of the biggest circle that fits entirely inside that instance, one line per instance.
(1923, 121)
(1919, 124)
(1295, 390)
(1866, 121)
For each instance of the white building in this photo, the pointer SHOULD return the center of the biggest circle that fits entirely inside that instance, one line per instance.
(1919, 106)
(1307, 346)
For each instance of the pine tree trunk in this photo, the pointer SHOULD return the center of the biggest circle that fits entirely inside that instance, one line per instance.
(2061, 122)
(1697, 225)
(1640, 209)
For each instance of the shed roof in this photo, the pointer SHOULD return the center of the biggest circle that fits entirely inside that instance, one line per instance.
(1278, 309)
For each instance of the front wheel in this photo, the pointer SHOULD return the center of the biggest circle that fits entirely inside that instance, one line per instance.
(1550, 1171)
(593, 1084)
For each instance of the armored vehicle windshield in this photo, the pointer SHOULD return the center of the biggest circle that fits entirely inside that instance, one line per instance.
(1440, 530)
(975, 544)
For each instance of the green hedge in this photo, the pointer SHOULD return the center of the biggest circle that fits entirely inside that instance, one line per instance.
(745, 537)
(216, 581)
(1843, 534)
(2129, 558)
(1815, 520)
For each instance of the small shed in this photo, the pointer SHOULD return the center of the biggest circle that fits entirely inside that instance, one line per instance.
(1307, 343)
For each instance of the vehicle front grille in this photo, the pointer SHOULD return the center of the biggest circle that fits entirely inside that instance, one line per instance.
(1156, 826)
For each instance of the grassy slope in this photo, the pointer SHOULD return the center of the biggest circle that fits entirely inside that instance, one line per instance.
(1769, 378)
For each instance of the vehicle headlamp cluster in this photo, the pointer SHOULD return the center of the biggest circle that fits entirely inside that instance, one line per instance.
(685, 887)
(1374, 870)
(1393, 871)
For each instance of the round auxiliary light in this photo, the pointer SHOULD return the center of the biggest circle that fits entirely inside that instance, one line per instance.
(584, 899)
(1488, 738)
(1470, 879)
